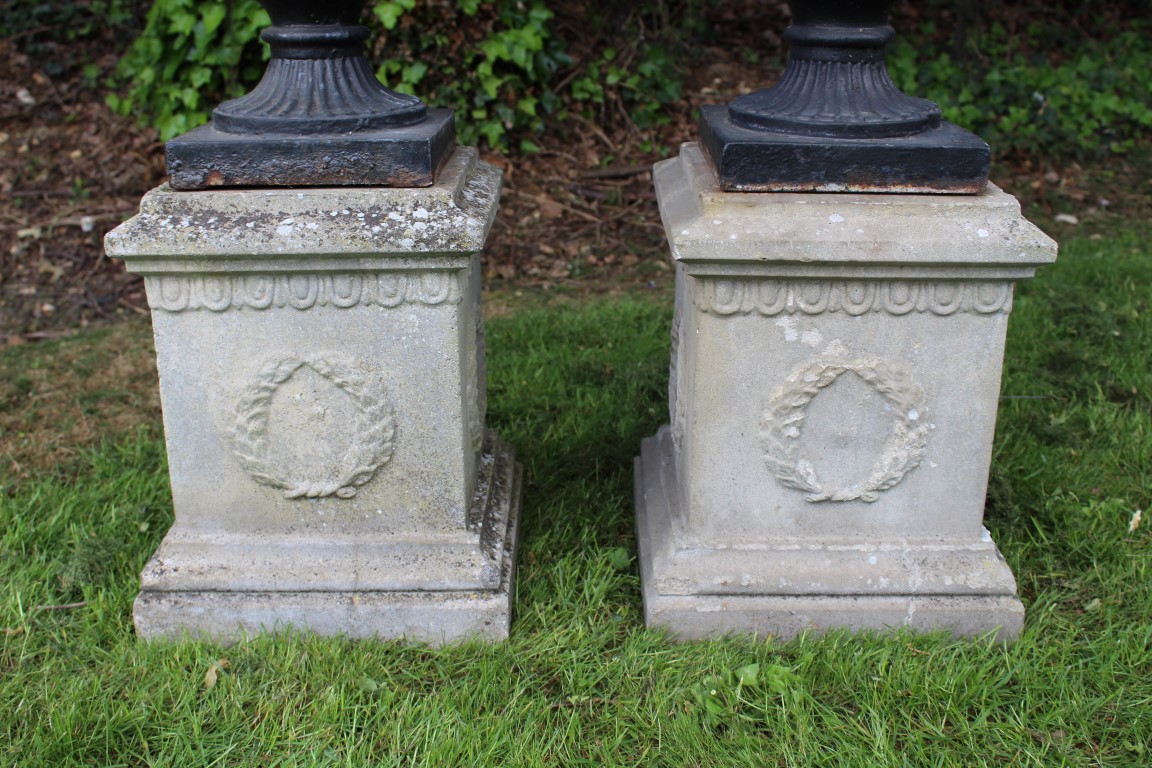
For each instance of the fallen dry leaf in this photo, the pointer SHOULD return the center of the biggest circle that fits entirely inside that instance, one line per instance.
(214, 671)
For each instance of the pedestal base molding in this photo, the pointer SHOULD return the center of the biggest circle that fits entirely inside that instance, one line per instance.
(694, 611)
(428, 616)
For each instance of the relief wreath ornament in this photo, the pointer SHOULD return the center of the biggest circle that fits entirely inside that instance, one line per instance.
(370, 449)
(784, 421)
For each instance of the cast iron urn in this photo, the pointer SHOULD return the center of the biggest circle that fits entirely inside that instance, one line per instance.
(319, 116)
(835, 122)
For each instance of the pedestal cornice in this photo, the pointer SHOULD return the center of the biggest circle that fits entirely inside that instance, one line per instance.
(335, 229)
(854, 236)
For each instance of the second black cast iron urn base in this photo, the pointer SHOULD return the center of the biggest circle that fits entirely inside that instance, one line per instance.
(835, 122)
(319, 117)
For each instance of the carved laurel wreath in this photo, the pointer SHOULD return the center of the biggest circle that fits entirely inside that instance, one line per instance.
(785, 415)
(371, 449)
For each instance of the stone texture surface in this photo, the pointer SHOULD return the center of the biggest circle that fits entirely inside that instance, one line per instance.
(322, 378)
(833, 392)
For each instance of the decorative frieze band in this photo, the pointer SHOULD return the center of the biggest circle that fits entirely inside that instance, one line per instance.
(218, 293)
(813, 297)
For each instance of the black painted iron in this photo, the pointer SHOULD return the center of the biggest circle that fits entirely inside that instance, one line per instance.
(836, 122)
(319, 116)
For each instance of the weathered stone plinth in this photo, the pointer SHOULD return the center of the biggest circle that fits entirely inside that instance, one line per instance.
(835, 375)
(321, 359)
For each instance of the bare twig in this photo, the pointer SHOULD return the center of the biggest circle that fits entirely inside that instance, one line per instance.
(73, 220)
(566, 208)
(615, 172)
(25, 33)
(64, 607)
(138, 310)
(41, 335)
(596, 131)
(27, 192)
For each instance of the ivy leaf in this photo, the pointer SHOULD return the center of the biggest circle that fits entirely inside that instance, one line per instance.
(390, 12)
(414, 72)
(213, 15)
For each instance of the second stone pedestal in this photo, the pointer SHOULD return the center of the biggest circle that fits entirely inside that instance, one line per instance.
(321, 360)
(835, 375)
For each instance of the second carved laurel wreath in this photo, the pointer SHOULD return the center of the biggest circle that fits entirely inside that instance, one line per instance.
(784, 421)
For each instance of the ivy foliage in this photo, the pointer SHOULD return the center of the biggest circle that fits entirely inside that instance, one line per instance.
(1084, 99)
(191, 56)
(504, 66)
(494, 62)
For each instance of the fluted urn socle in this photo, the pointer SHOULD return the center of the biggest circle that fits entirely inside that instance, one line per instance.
(319, 116)
(835, 121)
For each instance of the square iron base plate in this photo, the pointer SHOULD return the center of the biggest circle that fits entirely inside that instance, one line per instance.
(947, 160)
(410, 156)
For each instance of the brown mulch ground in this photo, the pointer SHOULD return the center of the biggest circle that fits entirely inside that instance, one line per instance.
(70, 170)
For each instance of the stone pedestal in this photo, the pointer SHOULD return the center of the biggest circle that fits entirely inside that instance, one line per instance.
(321, 359)
(835, 375)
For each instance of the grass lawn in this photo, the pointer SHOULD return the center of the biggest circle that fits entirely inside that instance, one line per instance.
(581, 682)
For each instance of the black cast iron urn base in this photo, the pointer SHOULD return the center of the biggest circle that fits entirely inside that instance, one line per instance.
(835, 122)
(319, 116)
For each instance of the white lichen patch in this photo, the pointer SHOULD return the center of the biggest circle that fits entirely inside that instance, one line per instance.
(811, 337)
(789, 326)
